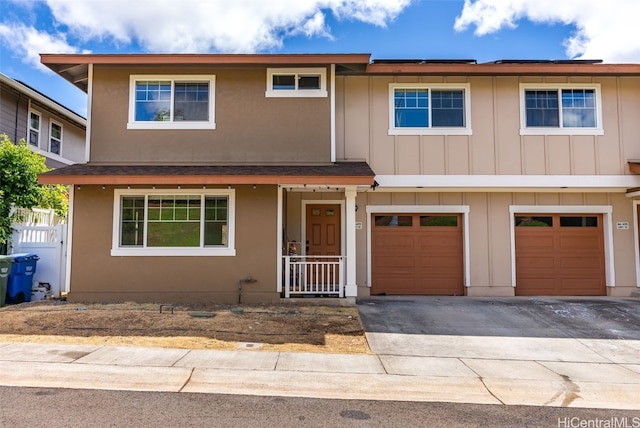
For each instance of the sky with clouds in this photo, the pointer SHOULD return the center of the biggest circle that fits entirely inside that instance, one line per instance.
(484, 30)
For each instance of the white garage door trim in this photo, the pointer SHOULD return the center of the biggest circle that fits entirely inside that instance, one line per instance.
(423, 209)
(636, 240)
(605, 210)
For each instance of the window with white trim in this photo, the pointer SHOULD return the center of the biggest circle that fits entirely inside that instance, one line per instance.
(169, 222)
(35, 120)
(171, 102)
(429, 109)
(560, 109)
(55, 138)
(296, 82)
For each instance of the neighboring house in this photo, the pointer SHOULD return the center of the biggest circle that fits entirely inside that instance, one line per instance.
(253, 177)
(47, 126)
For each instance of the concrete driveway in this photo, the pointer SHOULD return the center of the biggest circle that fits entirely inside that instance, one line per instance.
(563, 352)
(562, 317)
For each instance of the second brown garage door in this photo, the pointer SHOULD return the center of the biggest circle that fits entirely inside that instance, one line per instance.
(560, 255)
(416, 254)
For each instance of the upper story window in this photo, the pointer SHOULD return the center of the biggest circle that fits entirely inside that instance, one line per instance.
(35, 121)
(55, 138)
(171, 102)
(296, 82)
(173, 223)
(551, 109)
(429, 109)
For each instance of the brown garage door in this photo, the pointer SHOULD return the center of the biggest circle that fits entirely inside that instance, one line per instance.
(561, 255)
(416, 254)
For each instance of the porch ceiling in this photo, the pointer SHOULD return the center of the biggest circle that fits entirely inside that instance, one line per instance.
(338, 174)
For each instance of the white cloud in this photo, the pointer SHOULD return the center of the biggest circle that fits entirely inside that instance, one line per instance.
(233, 26)
(606, 29)
(28, 43)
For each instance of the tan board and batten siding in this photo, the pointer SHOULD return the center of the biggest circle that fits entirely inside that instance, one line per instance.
(495, 148)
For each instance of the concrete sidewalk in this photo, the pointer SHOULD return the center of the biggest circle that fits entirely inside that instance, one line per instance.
(590, 373)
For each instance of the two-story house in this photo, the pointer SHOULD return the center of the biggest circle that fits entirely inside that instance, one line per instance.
(47, 126)
(253, 177)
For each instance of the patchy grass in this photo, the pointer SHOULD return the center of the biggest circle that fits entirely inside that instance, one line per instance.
(287, 327)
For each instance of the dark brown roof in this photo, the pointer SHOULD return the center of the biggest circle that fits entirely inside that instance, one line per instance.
(340, 173)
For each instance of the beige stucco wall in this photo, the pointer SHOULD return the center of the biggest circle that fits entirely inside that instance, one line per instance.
(249, 126)
(496, 146)
(98, 276)
(490, 235)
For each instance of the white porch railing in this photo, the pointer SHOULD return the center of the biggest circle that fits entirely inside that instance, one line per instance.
(314, 275)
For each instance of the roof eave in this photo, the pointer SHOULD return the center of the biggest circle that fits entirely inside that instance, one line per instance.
(497, 69)
(120, 180)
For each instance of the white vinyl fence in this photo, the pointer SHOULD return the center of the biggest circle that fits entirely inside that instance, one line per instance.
(48, 243)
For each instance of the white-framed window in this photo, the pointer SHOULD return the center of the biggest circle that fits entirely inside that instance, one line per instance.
(171, 102)
(429, 109)
(35, 123)
(296, 82)
(55, 138)
(165, 222)
(566, 109)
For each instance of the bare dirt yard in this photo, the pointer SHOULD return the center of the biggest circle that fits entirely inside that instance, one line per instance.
(285, 327)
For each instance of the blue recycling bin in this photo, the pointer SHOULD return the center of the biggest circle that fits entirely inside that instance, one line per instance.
(20, 279)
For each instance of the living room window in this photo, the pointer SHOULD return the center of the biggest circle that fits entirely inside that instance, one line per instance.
(296, 82)
(551, 109)
(55, 138)
(35, 121)
(171, 102)
(165, 222)
(426, 109)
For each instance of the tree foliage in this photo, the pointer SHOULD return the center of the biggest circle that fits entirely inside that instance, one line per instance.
(19, 169)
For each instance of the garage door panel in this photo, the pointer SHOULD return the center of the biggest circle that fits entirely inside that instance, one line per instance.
(580, 286)
(587, 265)
(532, 242)
(564, 259)
(395, 262)
(396, 284)
(417, 259)
(400, 241)
(535, 262)
(443, 262)
(443, 286)
(537, 286)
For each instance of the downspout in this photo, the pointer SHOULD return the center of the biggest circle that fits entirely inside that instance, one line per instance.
(333, 112)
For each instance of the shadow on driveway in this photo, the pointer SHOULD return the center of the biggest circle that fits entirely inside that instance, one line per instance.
(561, 317)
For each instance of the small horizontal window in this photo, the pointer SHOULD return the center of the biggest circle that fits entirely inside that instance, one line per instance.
(429, 109)
(578, 221)
(441, 220)
(302, 82)
(393, 220)
(529, 221)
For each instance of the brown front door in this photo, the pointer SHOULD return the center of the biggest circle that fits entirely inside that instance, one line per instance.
(323, 230)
